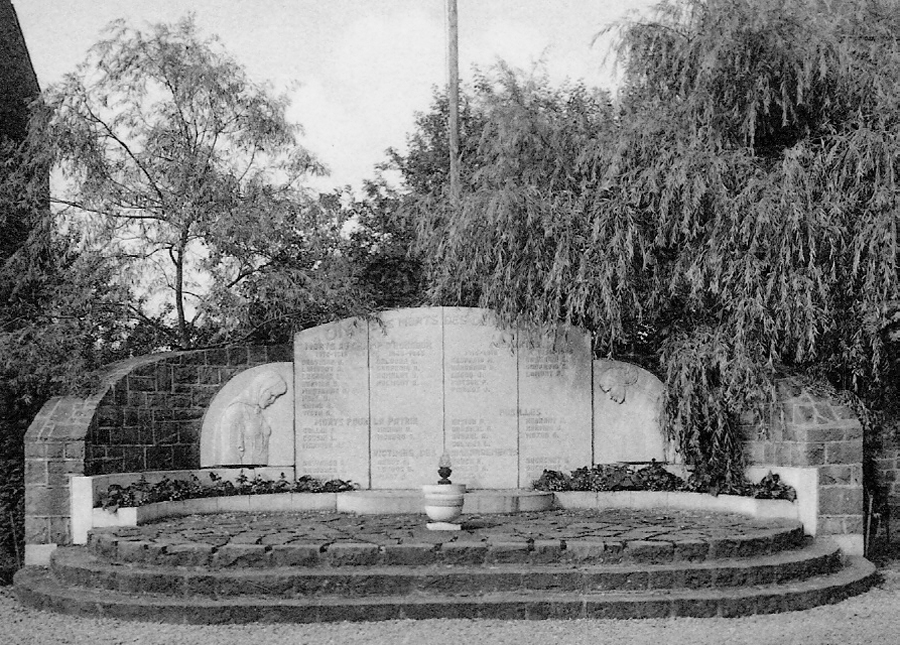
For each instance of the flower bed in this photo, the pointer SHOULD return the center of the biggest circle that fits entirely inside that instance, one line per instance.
(621, 477)
(142, 492)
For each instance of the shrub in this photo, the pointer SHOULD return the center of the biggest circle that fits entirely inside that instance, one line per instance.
(620, 477)
(142, 492)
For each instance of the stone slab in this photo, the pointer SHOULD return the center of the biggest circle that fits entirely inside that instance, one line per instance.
(406, 397)
(332, 408)
(480, 399)
(554, 412)
(443, 526)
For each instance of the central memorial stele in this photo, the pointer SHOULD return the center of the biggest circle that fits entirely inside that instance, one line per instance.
(379, 401)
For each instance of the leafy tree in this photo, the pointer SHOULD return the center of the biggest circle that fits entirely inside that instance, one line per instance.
(61, 319)
(424, 168)
(308, 277)
(176, 176)
(186, 174)
(523, 202)
(379, 247)
(735, 215)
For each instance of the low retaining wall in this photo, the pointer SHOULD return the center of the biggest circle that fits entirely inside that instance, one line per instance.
(411, 502)
(759, 508)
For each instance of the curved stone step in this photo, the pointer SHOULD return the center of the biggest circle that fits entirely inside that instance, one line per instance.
(36, 587)
(77, 567)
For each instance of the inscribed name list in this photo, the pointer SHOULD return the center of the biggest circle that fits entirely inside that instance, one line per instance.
(554, 403)
(480, 399)
(332, 403)
(406, 397)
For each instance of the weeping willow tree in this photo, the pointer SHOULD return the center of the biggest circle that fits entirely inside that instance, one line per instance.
(735, 213)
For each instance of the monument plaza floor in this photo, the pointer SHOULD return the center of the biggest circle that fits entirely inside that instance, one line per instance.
(324, 566)
(587, 535)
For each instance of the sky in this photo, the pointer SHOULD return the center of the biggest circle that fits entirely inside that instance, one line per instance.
(357, 71)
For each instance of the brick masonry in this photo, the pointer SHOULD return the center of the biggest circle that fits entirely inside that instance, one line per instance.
(145, 415)
(816, 429)
(885, 472)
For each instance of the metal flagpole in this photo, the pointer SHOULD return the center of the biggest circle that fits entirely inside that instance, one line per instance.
(453, 96)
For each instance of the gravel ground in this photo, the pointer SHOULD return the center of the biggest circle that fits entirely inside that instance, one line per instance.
(871, 618)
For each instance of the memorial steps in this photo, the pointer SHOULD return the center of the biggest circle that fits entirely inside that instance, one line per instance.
(134, 573)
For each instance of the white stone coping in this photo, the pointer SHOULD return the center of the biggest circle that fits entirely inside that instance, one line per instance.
(641, 499)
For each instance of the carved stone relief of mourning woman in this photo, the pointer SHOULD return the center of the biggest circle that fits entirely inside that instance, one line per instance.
(243, 430)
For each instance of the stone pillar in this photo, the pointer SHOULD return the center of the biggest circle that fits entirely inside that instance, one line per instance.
(54, 450)
(812, 428)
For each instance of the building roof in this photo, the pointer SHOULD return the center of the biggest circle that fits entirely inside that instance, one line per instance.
(18, 82)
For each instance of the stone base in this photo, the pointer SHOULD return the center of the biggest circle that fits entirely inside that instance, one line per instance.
(442, 526)
(850, 543)
(38, 554)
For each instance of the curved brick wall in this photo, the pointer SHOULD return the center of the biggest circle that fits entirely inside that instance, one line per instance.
(145, 415)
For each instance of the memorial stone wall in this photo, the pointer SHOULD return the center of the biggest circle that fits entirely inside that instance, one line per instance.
(379, 402)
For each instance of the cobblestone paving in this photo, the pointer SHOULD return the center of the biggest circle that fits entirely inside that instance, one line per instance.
(322, 528)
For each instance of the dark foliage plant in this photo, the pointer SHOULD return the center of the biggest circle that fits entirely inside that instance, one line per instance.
(654, 477)
(143, 492)
(731, 216)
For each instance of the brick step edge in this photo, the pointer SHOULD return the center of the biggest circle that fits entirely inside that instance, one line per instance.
(35, 587)
(131, 550)
(75, 567)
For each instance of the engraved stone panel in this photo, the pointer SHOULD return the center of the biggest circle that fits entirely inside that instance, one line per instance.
(250, 422)
(480, 399)
(379, 402)
(332, 410)
(406, 397)
(627, 412)
(554, 403)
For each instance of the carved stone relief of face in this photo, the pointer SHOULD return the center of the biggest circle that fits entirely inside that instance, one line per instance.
(268, 396)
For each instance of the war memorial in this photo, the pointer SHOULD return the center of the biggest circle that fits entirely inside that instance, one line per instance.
(426, 431)
(382, 403)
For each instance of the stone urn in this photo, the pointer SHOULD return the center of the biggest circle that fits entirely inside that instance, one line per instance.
(444, 500)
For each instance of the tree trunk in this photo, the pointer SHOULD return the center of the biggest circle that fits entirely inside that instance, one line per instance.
(178, 259)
